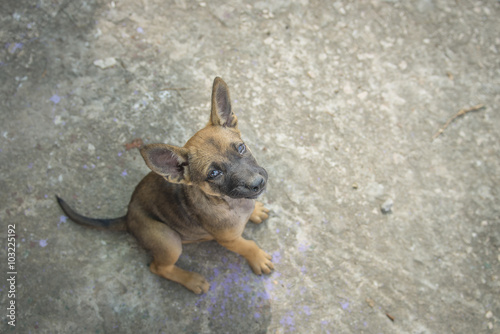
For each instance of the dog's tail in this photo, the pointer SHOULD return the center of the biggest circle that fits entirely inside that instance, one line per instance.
(114, 224)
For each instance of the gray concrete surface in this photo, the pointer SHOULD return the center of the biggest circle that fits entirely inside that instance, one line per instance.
(339, 100)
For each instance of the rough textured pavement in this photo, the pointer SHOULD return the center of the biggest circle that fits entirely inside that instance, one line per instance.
(339, 100)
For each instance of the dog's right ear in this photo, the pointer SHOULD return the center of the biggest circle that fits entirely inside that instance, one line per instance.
(221, 113)
(168, 161)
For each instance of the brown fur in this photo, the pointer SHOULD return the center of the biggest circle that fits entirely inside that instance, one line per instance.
(181, 201)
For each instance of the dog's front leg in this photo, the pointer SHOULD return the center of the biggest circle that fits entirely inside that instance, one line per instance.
(259, 261)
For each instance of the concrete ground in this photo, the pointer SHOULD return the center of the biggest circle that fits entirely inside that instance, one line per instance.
(339, 100)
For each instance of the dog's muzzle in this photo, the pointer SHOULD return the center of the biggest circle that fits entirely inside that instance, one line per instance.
(256, 187)
(251, 187)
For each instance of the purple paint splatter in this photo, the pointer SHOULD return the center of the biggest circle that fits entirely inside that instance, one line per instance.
(55, 98)
(288, 320)
(43, 243)
(62, 219)
(276, 257)
(124, 173)
(303, 247)
(15, 47)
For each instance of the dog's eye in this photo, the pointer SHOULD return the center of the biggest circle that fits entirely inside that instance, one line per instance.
(213, 174)
(242, 148)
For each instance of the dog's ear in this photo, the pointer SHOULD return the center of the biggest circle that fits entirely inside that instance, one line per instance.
(168, 161)
(221, 113)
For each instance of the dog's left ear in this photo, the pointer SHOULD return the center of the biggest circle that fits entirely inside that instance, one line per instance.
(221, 113)
(168, 161)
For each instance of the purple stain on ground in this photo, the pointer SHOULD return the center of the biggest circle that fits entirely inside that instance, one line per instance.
(124, 173)
(276, 257)
(256, 315)
(43, 243)
(303, 247)
(120, 154)
(345, 305)
(15, 47)
(85, 167)
(30, 165)
(140, 30)
(264, 295)
(55, 98)
(288, 320)
(268, 286)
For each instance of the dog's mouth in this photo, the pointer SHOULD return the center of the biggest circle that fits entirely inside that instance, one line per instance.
(236, 193)
(255, 195)
(246, 192)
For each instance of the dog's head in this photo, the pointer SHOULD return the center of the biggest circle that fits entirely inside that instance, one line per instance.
(215, 159)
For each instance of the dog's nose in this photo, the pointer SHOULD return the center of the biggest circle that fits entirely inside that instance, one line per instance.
(257, 184)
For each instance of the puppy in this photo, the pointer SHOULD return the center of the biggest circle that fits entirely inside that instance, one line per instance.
(205, 190)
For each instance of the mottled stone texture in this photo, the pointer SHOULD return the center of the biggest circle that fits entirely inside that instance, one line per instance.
(339, 100)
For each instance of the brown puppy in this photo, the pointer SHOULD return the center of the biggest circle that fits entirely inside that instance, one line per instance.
(205, 190)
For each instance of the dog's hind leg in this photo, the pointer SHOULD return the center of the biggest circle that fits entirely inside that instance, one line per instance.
(166, 246)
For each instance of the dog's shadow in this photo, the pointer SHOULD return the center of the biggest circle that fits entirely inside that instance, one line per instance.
(237, 302)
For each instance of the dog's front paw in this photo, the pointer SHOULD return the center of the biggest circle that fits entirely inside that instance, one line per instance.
(261, 263)
(259, 214)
